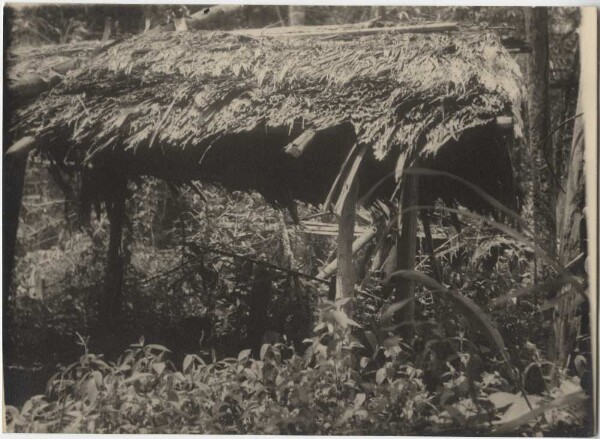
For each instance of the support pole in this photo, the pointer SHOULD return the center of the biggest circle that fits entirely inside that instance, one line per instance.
(346, 277)
(437, 270)
(15, 161)
(111, 304)
(407, 248)
(258, 304)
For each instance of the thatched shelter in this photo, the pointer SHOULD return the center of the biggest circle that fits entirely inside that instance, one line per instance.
(223, 106)
(287, 112)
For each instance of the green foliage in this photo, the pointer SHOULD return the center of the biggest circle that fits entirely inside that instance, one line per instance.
(323, 391)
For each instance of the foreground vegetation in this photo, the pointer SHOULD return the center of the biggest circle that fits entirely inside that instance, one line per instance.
(478, 362)
(333, 388)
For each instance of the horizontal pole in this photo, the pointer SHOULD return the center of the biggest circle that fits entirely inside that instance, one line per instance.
(196, 248)
(358, 29)
(21, 147)
(357, 245)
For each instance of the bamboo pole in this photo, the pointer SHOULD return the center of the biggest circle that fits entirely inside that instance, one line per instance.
(346, 277)
(357, 245)
(354, 29)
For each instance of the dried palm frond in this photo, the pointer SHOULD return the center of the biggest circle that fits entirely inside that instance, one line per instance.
(188, 95)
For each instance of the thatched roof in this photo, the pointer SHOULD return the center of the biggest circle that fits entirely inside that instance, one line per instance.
(181, 105)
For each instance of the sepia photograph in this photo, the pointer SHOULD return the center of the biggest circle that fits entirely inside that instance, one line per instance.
(299, 219)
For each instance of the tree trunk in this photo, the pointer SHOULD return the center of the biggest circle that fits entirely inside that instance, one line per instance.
(544, 226)
(406, 252)
(296, 15)
(572, 244)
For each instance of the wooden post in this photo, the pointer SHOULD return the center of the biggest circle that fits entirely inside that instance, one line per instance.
(13, 176)
(296, 15)
(111, 303)
(15, 161)
(437, 270)
(180, 24)
(345, 278)
(406, 251)
(108, 25)
(258, 304)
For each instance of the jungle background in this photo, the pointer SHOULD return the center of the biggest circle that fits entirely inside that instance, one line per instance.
(189, 358)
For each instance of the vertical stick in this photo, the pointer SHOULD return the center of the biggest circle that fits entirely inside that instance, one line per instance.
(13, 177)
(15, 161)
(110, 307)
(345, 278)
(296, 15)
(437, 270)
(258, 304)
(108, 24)
(407, 248)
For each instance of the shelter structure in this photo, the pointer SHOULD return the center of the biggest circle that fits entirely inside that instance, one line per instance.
(328, 115)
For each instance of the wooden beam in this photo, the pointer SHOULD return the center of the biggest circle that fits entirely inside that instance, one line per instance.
(355, 29)
(346, 276)
(406, 251)
(504, 122)
(21, 148)
(297, 147)
(207, 15)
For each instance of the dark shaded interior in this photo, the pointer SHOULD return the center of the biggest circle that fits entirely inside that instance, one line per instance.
(256, 160)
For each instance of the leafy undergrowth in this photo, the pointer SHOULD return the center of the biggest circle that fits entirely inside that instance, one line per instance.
(333, 388)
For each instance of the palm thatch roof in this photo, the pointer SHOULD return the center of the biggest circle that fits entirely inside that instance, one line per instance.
(223, 106)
